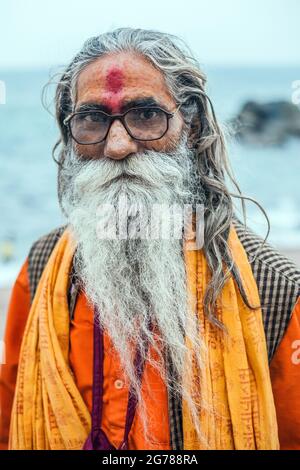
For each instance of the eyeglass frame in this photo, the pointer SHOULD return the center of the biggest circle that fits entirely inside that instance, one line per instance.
(121, 118)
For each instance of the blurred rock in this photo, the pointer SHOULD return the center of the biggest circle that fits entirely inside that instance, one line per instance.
(266, 123)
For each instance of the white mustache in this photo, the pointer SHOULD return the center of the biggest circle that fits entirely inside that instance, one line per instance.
(150, 169)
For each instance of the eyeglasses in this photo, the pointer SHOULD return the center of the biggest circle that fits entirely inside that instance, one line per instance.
(144, 123)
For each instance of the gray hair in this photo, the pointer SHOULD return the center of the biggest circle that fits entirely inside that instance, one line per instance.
(186, 83)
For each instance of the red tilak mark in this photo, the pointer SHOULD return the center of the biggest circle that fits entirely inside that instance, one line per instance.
(114, 80)
(114, 86)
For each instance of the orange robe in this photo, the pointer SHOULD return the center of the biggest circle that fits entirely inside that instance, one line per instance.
(284, 369)
(115, 393)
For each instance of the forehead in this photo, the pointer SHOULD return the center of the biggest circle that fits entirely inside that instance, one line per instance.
(128, 75)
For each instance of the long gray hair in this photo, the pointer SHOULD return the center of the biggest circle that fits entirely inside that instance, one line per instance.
(186, 83)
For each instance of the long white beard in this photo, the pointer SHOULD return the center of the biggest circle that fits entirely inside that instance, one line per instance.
(134, 280)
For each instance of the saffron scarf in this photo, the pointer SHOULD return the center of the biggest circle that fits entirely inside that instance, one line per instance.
(234, 383)
(49, 413)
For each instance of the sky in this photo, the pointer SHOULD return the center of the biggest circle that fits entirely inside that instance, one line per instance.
(35, 33)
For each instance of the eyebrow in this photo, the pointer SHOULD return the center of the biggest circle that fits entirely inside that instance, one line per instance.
(136, 103)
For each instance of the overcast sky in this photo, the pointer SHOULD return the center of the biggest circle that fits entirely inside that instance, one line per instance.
(37, 33)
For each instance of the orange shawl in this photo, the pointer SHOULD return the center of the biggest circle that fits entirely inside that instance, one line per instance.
(234, 384)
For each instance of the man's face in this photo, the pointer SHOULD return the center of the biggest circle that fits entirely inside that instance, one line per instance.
(118, 82)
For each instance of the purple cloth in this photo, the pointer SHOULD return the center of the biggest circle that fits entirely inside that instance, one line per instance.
(97, 439)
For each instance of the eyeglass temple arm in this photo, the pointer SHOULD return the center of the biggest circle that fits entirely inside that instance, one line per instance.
(67, 119)
(176, 109)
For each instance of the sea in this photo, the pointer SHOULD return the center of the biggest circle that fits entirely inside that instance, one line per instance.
(28, 202)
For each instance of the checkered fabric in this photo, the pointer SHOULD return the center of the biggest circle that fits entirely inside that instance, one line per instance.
(278, 282)
(38, 256)
(277, 278)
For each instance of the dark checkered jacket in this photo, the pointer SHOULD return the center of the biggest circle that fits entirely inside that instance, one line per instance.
(277, 278)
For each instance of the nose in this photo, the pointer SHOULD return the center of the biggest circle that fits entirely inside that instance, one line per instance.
(118, 143)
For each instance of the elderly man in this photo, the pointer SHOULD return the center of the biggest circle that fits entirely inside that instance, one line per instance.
(117, 341)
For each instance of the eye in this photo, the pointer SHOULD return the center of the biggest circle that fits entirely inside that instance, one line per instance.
(147, 114)
(97, 117)
(93, 117)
